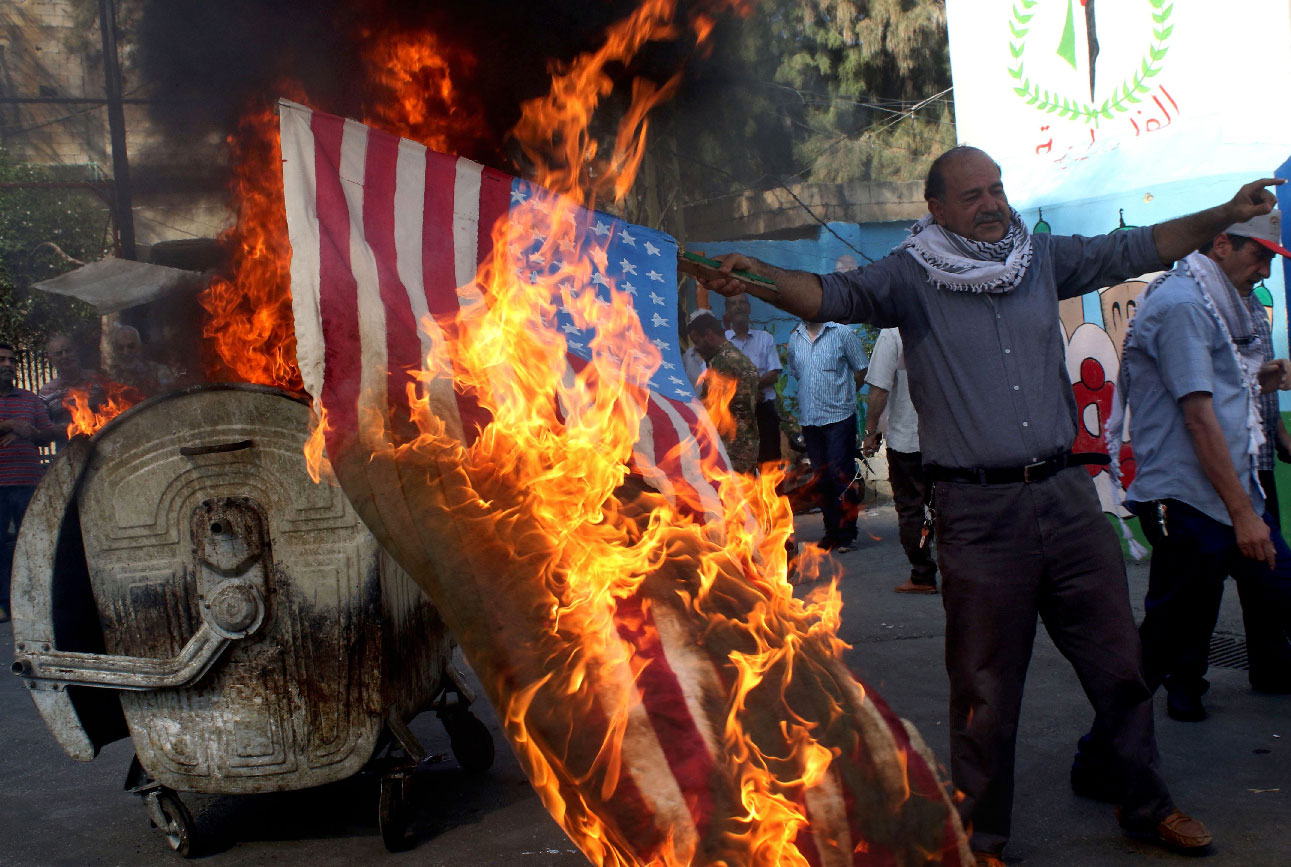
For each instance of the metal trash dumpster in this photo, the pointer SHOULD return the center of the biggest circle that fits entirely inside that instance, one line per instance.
(179, 578)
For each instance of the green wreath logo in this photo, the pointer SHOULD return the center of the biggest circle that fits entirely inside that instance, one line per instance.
(1125, 94)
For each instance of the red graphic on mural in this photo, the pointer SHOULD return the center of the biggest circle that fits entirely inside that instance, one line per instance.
(1094, 392)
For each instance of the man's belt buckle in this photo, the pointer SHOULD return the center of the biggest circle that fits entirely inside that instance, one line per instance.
(1037, 466)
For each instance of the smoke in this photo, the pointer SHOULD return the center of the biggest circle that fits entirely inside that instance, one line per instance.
(210, 61)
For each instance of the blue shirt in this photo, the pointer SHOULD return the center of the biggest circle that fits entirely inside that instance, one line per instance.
(1178, 349)
(824, 368)
(988, 373)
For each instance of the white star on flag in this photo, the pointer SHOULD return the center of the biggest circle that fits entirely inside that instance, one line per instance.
(681, 392)
(537, 259)
(676, 381)
(655, 276)
(518, 196)
(663, 345)
(570, 328)
(575, 345)
(599, 279)
(628, 267)
(652, 249)
(601, 228)
(667, 365)
(658, 321)
(566, 246)
(627, 239)
(628, 287)
(657, 299)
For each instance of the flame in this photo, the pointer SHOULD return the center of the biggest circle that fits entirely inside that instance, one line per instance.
(316, 462)
(716, 392)
(411, 75)
(249, 327)
(548, 477)
(559, 466)
(88, 417)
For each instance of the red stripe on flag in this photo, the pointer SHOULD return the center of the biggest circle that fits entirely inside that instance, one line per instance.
(403, 348)
(439, 271)
(495, 203)
(337, 288)
(665, 705)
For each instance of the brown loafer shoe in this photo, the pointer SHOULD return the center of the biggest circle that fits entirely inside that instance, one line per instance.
(1177, 831)
(988, 859)
(911, 587)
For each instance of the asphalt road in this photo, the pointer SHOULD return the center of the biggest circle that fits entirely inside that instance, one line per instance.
(1233, 770)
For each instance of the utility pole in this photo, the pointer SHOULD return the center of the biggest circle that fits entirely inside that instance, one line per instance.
(117, 129)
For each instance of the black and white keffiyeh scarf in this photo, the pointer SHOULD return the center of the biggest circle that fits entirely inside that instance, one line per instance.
(1233, 317)
(961, 264)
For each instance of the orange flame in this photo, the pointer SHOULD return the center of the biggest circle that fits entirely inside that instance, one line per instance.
(560, 467)
(412, 76)
(88, 417)
(249, 323)
(716, 391)
(561, 477)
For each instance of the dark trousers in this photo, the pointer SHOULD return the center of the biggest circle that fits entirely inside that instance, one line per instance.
(909, 493)
(1186, 586)
(1009, 554)
(13, 505)
(831, 448)
(768, 431)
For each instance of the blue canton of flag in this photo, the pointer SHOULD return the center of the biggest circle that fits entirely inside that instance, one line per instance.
(636, 260)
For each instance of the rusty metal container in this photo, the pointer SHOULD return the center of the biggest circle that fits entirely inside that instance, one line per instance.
(181, 578)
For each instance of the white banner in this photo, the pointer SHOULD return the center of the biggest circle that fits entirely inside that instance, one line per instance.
(1081, 98)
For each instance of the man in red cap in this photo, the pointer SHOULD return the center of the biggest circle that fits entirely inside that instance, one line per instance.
(1194, 368)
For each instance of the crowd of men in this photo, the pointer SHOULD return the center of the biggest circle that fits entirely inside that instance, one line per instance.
(969, 307)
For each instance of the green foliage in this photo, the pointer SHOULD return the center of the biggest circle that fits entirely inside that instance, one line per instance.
(34, 219)
(820, 91)
(861, 64)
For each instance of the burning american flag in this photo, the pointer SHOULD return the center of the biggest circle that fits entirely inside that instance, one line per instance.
(504, 405)
(387, 236)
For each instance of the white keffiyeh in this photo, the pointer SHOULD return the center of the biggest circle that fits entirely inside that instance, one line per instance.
(1234, 319)
(961, 264)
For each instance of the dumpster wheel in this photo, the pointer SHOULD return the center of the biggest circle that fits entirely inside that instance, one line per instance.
(471, 741)
(168, 813)
(394, 811)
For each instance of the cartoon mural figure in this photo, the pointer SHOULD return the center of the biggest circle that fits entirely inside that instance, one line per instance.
(1118, 304)
(1093, 364)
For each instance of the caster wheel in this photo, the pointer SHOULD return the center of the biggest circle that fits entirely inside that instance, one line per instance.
(471, 741)
(395, 812)
(168, 814)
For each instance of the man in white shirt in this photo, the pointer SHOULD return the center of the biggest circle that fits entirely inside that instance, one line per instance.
(759, 347)
(889, 390)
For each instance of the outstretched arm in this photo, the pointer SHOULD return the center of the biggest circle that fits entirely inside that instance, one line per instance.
(1179, 237)
(796, 292)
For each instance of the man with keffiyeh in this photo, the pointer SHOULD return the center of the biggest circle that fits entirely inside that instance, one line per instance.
(1193, 372)
(1019, 527)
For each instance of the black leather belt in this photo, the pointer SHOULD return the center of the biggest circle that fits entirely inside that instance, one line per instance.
(1036, 472)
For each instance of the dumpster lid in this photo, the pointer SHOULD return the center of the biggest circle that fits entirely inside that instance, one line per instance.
(110, 284)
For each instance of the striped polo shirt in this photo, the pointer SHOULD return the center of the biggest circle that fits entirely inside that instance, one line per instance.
(20, 461)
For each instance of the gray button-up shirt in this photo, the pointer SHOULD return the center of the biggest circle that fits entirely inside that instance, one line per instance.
(988, 373)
